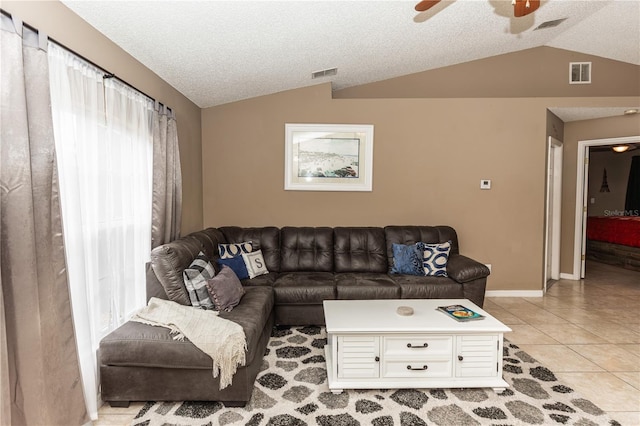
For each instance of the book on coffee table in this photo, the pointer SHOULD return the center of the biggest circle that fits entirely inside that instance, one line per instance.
(460, 313)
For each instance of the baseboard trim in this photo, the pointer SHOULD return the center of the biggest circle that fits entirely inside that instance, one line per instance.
(513, 293)
(565, 276)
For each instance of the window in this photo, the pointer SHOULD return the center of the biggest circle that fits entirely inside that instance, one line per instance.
(104, 150)
(580, 73)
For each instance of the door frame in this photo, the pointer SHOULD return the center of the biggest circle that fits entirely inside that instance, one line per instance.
(553, 209)
(582, 177)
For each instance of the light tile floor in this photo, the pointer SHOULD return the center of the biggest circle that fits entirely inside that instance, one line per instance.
(587, 332)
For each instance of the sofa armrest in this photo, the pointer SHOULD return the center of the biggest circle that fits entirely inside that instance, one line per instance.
(463, 269)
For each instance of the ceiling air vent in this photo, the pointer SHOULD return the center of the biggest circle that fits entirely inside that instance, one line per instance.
(324, 73)
(550, 24)
(579, 72)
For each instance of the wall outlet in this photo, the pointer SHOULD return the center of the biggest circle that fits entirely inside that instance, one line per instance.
(485, 184)
(488, 265)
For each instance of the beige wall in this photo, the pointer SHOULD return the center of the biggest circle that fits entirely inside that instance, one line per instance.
(429, 154)
(429, 158)
(68, 29)
(537, 72)
(574, 132)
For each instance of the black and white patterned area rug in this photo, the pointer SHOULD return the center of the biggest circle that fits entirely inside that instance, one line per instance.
(292, 390)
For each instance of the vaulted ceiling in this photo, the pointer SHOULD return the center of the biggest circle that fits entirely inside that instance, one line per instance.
(215, 52)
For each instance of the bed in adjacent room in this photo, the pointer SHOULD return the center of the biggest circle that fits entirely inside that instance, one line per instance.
(614, 240)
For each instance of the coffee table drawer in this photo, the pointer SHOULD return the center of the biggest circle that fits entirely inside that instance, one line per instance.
(410, 346)
(418, 369)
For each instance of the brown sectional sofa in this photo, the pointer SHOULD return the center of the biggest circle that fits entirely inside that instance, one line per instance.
(306, 265)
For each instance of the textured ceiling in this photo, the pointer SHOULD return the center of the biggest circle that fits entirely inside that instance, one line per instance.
(216, 52)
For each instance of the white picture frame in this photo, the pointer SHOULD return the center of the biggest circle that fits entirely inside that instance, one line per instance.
(328, 157)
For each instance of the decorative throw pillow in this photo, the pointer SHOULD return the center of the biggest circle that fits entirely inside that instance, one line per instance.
(255, 263)
(225, 289)
(435, 259)
(195, 280)
(237, 265)
(227, 251)
(407, 259)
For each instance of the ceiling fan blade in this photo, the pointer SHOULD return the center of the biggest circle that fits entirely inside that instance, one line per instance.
(426, 5)
(525, 7)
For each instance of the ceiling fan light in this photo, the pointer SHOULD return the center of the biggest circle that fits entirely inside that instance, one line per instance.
(620, 148)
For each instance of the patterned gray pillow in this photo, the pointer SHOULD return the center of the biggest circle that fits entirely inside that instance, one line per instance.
(225, 289)
(195, 280)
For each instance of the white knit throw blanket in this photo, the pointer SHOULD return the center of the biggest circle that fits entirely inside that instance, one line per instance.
(223, 340)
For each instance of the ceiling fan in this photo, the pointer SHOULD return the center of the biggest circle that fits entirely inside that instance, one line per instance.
(520, 7)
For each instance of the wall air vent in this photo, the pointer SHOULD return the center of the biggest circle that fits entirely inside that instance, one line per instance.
(550, 24)
(324, 73)
(579, 72)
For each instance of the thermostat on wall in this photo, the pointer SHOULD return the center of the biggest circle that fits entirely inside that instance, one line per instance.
(485, 184)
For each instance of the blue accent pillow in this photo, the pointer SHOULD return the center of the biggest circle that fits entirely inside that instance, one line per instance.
(407, 259)
(237, 265)
(436, 257)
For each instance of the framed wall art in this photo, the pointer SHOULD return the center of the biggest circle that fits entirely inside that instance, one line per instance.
(328, 157)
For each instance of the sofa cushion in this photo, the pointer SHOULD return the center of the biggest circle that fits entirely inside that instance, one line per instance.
(209, 238)
(304, 288)
(266, 239)
(137, 344)
(307, 249)
(359, 250)
(261, 280)
(252, 314)
(413, 287)
(195, 280)
(365, 285)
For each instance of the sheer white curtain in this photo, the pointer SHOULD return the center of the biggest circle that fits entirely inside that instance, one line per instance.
(103, 138)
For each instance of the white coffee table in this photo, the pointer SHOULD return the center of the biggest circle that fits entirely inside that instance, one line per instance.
(371, 346)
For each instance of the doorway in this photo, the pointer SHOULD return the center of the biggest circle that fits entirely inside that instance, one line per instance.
(582, 179)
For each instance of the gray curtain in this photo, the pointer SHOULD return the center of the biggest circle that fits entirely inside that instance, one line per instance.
(39, 370)
(167, 179)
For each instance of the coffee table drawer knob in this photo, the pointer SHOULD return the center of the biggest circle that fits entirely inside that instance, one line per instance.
(424, 345)
(424, 367)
